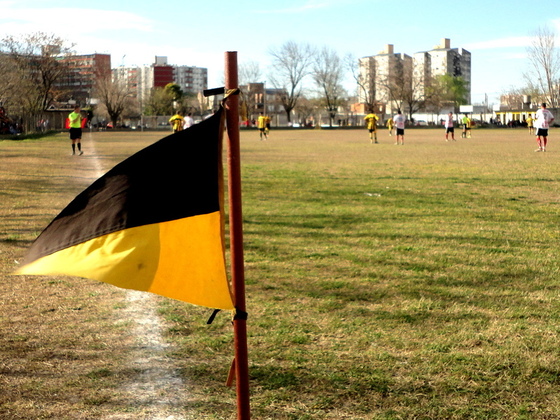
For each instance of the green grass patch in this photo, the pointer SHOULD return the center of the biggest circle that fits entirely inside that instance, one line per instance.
(383, 282)
(391, 282)
(28, 136)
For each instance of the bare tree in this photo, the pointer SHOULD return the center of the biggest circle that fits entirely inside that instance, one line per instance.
(306, 110)
(291, 64)
(395, 83)
(364, 73)
(544, 59)
(189, 102)
(30, 69)
(114, 95)
(415, 93)
(249, 72)
(250, 82)
(9, 84)
(327, 75)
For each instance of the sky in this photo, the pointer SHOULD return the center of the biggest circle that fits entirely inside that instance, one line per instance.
(198, 33)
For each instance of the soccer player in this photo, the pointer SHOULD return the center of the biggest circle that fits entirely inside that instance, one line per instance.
(390, 125)
(399, 121)
(188, 122)
(543, 120)
(371, 122)
(75, 119)
(261, 125)
(267, 125)
(449, 127)
(466, 127)
(530, 122)
(177, 121)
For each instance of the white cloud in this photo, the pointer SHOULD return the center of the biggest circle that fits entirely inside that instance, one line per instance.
(89, 30)
(118, 33)
(69, 21)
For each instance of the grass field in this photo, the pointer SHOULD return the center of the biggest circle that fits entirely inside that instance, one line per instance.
(383, 282)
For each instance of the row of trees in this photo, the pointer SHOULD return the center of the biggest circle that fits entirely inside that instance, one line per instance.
(30, 70)
(542, 79)
(307, 75)
(295, 64)
(307, 78)
(32, 80)
(117, 101)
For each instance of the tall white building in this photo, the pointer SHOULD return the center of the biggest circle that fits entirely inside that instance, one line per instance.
(191, 79)
(421, 73)
(453, 61)
(140, 80)
(392, 70)
(379, 72)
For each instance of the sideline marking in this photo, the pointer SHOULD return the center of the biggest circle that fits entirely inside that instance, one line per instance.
(157, 390)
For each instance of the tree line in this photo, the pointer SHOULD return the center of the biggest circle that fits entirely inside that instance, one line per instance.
(309, 79)
(33, 76)
(541, 80)
(306, 80)
(294, 64)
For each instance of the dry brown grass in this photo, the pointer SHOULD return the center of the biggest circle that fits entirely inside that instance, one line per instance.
(66, 343)
(66, 355)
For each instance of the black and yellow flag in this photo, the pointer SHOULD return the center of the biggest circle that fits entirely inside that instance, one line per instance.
(154, 223)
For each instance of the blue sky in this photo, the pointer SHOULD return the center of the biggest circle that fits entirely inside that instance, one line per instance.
(197, 33)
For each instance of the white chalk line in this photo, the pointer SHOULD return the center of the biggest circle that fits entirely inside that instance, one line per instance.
(158, 389)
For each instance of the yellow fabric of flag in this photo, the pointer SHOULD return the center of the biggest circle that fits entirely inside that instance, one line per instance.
(153, 223)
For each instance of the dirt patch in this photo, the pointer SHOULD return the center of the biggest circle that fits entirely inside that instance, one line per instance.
(156, 389)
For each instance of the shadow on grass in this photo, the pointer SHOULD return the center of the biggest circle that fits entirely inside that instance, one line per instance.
(29, 136)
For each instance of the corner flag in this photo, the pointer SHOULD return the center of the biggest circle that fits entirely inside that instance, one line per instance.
(153, 223)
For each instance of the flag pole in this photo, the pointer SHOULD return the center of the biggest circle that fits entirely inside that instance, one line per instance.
(236, 239)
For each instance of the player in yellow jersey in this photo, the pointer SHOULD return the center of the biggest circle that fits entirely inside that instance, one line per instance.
(390, 125)
(75, 122)
(261, 125)
(177, 122)
(466, 127)
(530, 123)
(371, 122)
(267, 125)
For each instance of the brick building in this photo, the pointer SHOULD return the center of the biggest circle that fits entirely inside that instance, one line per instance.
(78, 84)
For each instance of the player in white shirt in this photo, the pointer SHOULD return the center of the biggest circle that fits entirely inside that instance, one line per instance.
(543, 119)
(399, 121)
(188, 121)
(449, 127)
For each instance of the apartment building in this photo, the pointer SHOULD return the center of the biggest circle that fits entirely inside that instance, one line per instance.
(381, 72)
(191, 79)
(446, 60)
(78, 84)
(258, 98)
(140, 80)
